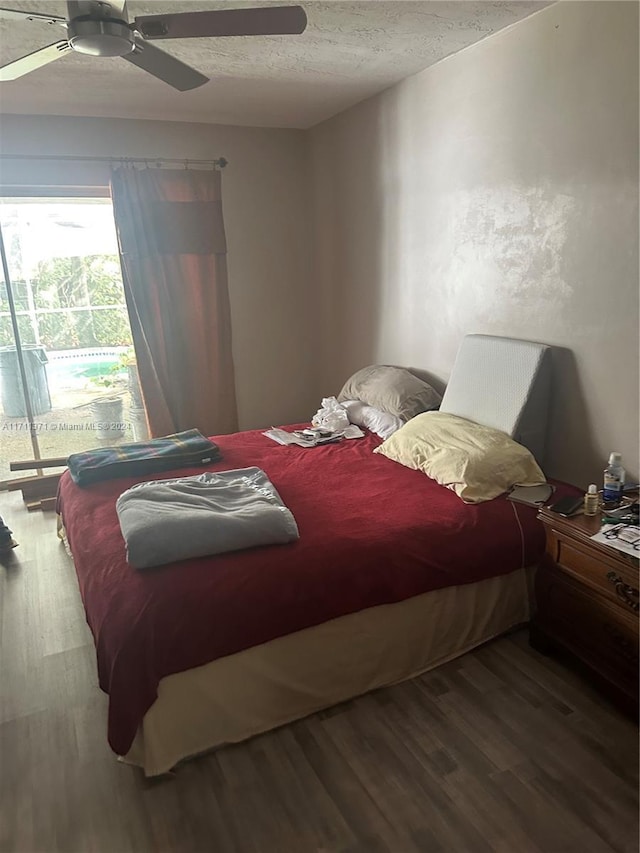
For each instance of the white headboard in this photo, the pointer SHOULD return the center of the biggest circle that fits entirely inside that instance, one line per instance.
(503, 383)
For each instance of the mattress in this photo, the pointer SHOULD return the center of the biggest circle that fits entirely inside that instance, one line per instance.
(372, 533)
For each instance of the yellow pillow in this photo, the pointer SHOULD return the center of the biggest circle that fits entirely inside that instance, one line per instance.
(477, 462)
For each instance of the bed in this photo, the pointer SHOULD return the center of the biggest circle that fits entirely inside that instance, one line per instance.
(392, 575)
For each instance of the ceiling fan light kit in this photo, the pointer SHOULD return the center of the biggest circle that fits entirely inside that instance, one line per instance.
(102, 29)
(100, 38)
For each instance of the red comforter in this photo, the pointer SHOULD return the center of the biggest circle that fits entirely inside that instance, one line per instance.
(371, 532)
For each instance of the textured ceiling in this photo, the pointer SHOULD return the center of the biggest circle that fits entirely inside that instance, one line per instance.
(349, 51)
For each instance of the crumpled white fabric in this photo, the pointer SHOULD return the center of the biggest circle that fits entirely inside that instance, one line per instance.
(331, 415)
(378, 422)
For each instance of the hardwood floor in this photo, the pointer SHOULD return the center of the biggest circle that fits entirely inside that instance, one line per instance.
(501, 750)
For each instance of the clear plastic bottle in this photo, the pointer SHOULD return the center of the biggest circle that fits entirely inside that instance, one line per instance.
(613, 479)
(591, 500)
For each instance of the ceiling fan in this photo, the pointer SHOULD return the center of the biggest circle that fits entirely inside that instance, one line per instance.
(100, 28)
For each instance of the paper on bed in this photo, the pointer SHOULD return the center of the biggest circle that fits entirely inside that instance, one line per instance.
(282, 436)
(167, 520)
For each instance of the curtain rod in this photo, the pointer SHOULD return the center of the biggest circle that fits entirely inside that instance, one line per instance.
(220, 162)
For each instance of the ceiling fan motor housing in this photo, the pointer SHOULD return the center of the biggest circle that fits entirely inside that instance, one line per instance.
(106, 37)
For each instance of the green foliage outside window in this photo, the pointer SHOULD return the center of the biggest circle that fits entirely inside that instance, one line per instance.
(27, 335)
(76, 282)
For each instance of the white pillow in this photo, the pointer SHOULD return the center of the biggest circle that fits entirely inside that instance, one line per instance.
(380, 423)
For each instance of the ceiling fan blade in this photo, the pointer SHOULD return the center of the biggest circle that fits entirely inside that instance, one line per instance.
(31, 16)
(271, 20)
(33, 61)
(165, 67)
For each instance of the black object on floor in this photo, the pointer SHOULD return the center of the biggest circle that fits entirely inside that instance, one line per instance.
(6, 542)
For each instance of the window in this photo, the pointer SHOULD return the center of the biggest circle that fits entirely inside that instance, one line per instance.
(74, 331)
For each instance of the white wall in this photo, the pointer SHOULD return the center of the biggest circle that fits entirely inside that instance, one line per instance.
(496, 192)
(265, 199)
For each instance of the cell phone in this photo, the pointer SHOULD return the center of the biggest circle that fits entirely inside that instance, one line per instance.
(567, 506)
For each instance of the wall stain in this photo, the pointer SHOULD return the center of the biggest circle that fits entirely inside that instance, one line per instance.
(506, 246)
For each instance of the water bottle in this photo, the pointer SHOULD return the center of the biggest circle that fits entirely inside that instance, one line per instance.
(613, 479)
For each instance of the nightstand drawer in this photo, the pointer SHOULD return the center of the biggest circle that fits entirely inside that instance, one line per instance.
(618, 583)
(587, 604)
(589, 626)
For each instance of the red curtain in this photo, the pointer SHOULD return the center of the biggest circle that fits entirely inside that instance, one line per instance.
(173, 256)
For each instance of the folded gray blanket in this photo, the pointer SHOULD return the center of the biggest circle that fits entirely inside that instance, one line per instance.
(167, 520)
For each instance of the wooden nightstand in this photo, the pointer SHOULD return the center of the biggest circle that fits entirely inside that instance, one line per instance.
(587, 603)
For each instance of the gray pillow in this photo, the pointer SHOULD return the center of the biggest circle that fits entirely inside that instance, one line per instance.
(391, 389)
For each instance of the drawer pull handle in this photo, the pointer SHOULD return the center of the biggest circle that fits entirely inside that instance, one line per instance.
(626, 593)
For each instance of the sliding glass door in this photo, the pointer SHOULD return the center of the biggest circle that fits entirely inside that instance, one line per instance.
(74, 341)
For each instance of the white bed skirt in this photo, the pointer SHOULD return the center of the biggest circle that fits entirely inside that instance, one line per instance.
(241, 695)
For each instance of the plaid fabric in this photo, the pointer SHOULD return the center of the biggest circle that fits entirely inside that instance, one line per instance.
(142, 457)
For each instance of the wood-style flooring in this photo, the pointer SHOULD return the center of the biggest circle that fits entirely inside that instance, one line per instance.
(501, 750)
